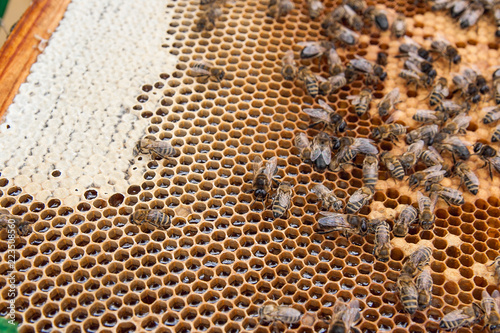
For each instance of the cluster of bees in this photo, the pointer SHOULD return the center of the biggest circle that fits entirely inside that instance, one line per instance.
(468, 12)
(21, 227)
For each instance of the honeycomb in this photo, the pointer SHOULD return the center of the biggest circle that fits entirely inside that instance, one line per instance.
(86, 269)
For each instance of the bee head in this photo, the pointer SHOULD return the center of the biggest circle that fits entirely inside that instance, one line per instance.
(221, 75)
(476, 98)
(260, 194)
(456, 59)
(376, 132)
(477, 147)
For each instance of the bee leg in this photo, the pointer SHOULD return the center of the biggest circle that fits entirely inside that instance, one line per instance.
(491, 172)
(314, 124)
(277, 183)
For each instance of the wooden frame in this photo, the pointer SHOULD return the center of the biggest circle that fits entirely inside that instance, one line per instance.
(20, 50)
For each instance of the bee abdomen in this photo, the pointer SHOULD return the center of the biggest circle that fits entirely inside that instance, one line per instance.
(278, 211)
(410, 303)
(312, 88)
(354, 207)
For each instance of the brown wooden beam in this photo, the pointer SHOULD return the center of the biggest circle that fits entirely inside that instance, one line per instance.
(20, 50)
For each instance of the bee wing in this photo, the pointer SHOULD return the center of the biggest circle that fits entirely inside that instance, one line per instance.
(316, 5)
(311, 49)
(393, 95)
(421, 199)
(495, 161)
(462, 120)
(320, 78)
(257, 164)
(323, 151)
(285, 198)
(318, 114)
(333, 220)
(416, 147)
(471, 175)
(410, 41)
(453, 140)
(333, 56)
(364, 146)
(356, 99)
(426, 114)
(436, 154)
(434, 199)
(350, 317)
(439, 37)
(271, 167)
(361, 64)
(288, 57)
(394, 117)
(456, 315)
(285, 313)
(486, 309)
(319, 189)
(325, 106)
(339, 306)
(196, 69)
(435, 173)
(433, 168)
(301, 141)
(496, 297)
(358, 196)
(415, 56)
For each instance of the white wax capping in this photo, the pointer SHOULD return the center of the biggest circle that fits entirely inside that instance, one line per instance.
(74, 112)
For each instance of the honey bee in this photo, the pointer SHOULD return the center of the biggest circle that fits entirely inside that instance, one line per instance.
(410, 157)
(388, 102)
(378, 16)
(335, 66)
(417, 78)
(466, 316)
(209, 16)
(467, 177)
(330, 85)
(15, 222)
(371, 70)
(425, 133)
(431, 157)
(382, 58)
(439, 92)
(382, 241)
(359, 199)
(492, 114)
(345, 317)
(154, 217)
(407, 292)
(302, 142)
(496, 75)
(471, 14)
(358, 6)
(345, 223)
(388, 131)
(496, 262)
(362, 101)
(424, 288)
(328, 198)
(453, 144)
(205, 69)
(263, 177)
(457, 125)
(350, 73)
(393, 164)
(398, 27)
(273, 313)
(491, 305)
(321, 151)
(370, 171)
(282, 200)
(349, 149)
(316, 49)
(431, 175)
(443, 48)
(430, 116)
(353, 20)
(407, 216)
(475, 76)
(411, 46)
(280, 8)
(448, 194)
(423, 69)
(468, 89)
(489, 155)
(334, 17)
(327, 116)
(342, 34)
(307, 76)
(157, 149)
(289, 69)
(451, 108)
(417, 260)
(316, 7)
(426, 207)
